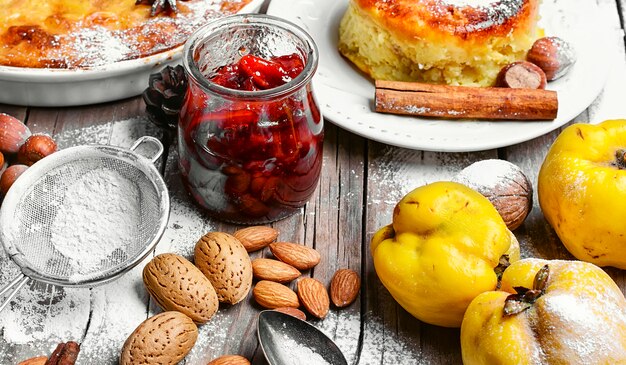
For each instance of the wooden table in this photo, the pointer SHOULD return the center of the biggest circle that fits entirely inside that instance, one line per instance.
(360, 183)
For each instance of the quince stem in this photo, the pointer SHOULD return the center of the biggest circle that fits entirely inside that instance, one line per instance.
(620, 159)
(525, 298)
(499, 270)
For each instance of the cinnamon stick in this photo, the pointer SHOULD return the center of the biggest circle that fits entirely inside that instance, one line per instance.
(64, 354)
(462, 102)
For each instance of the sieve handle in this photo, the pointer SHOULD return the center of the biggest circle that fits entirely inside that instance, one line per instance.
(149, 140)
(16, 285)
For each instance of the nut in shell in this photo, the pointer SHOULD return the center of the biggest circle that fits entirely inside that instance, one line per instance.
(553, 55)
(505, 185)
(522, 75)
(13, 134)
(230, 360)
(35, 148)
(9, 176)
(39, 360)
(3, 164)
(163, 339)
(176, 284)
(225, 262)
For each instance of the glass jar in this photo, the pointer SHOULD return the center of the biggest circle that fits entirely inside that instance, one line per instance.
(247, 155)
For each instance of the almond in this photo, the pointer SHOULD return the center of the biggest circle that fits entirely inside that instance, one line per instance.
(314, 297)
(256, 238)
(40, 360)
(274, 270)
(230, 360)
(225, 262)
(292, 312)
(35, 148)
(274, 295)
(163, 339)
(299, 256)
(344, 287)
(13, 134)
(177, 285)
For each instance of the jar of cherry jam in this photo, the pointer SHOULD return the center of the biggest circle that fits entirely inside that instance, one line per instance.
(250, 131)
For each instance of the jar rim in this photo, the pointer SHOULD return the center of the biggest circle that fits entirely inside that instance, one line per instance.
(192, 69)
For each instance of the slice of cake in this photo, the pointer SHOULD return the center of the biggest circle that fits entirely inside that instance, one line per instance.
(456, 42)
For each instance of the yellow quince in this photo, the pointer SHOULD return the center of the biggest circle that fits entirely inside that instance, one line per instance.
(549, 313)
(582, 190)
(443, 249)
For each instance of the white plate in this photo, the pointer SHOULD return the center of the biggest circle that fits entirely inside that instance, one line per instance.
(346, 95)
(58, 87)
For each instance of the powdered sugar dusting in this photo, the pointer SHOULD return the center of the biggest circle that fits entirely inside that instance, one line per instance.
(492, 12)
(344, 326)
(108, 329)
(97, 220)
(472, 3)
(488, 175)
(89, 44)
(297, 353)
(580, 317)
(43, 314)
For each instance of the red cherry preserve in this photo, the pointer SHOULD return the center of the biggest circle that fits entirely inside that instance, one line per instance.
(250, 131)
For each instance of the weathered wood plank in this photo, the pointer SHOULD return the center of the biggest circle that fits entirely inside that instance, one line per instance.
(337, 232)
(391, 335)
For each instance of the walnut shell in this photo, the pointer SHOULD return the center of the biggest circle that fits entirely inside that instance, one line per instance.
(225, 262)
(505, 185)
(163, 339)
(175, 284)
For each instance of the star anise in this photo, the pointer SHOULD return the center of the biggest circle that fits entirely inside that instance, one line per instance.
(160, 5)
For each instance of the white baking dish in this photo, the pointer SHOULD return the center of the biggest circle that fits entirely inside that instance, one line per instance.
(59, 87)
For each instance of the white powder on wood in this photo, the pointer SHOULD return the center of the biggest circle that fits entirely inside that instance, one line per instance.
(97, 220)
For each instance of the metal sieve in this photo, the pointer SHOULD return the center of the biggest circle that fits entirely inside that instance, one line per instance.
(34, 201)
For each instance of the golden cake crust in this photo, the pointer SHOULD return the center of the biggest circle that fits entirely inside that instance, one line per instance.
(438, 41)
(79, 34)
(411, 18)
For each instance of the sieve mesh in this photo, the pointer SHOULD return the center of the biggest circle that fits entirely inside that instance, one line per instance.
(42, 195)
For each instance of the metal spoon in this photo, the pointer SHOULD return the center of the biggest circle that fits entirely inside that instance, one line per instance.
(286, 340)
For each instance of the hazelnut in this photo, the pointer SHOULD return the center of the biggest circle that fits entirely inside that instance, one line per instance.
(504, 184)
(9, 176)
(35, 148)
(4, 164)
(13, 134)
(522, 75)
(553, 55)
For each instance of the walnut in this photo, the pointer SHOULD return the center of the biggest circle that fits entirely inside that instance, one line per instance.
(504, 184)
